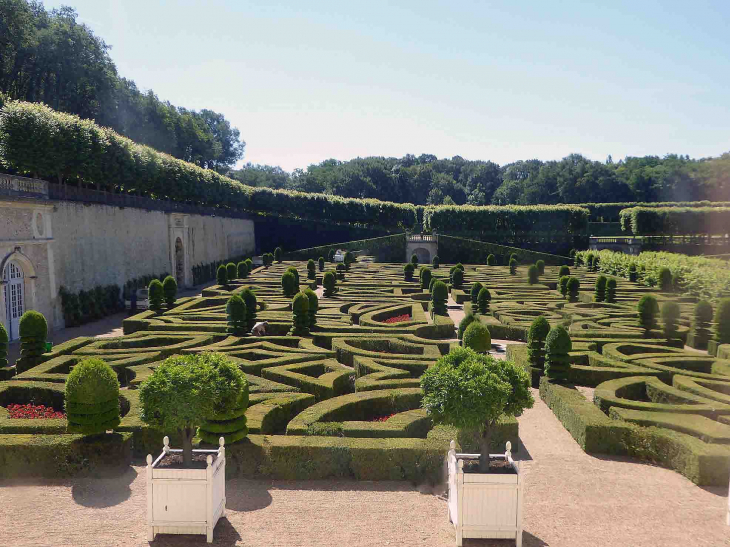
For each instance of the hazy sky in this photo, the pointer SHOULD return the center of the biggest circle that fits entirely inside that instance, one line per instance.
(499, 80)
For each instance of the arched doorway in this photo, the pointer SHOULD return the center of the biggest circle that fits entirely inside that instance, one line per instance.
(14, 287)
(424, 255)
(179, 263)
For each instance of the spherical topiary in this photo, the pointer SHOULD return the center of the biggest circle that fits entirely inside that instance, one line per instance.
(491, 260)
(249, 298)
(92, 398)
(512, 266)
(33, 330)
(408, 270)
(311, 269)
(557, 348)
(665, 279)
(564, 270)
(221, 275)
(477, 337)
(458, 278)
(278, 253)
(540, 266)
(722, 321)
(320, 263)
(439, 296)
(4, 339)
(426, 277)
(648, 309)
(236, 314)
(600, 294)
(539, 330)
(289, 283)
(231, 271)
(414, 259)
(701, 319)
(670, 319)
(475, 288)
(573, 287)
(169, 289)
(483, 299)
(467, 320)
(329, 283)
(155, 294)
(533, 274)
(633, 274)
(611, 290)
(435, 262)
(313, 306)
(242, 268)
(300, 315)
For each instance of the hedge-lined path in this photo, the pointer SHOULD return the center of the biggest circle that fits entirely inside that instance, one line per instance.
(572, 500)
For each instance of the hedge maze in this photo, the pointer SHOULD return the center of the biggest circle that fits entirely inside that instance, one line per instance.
(344, 400)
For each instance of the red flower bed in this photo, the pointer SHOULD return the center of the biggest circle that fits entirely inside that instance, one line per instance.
(34, 412)
(382, 418)
(398, 319)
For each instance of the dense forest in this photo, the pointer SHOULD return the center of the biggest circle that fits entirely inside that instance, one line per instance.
(427, 180)
(49, 57)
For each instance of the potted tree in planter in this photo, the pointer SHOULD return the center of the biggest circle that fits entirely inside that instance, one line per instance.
(472, 391)
(186, 488)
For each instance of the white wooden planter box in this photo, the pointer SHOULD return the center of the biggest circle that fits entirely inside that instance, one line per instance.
(186, 501)
(485, 505)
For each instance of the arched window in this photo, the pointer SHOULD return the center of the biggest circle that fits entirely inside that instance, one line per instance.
(14, 287)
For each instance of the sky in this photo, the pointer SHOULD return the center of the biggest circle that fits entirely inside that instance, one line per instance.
(490, 80)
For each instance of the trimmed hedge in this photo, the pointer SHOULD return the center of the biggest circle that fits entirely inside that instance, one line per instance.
(455, 249)
(386, 249)
(675, 220)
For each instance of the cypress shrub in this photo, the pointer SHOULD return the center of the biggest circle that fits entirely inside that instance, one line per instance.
(295, 273)
(414, 259)
(564, 270)
(300, 315)
(329, 283)
(278, 253)
(491, 260)
(169, 289)
(340, 270)
(4, 339)
(155, 294)
(633, 275)
(331, 255)
(573, 287)
(539, 330)
(557, 358)
(249, 298)
(289, 283)
(430, 284)
(460, 266)
(91, 398)
(237, 316)
(483, 299)
(596, 260)
(611, 290)
(349, 259)
(249, 264)
(648, 309)
(665, 279)
(670, 319)
(321, 263)
(231, 271)
(533, 274)
(514, 257)
(242, 268)
(458, 278)
(426, 277)
(600, 293)
(33, 330)
(477, 337)
(221, 275)
(589, 262)
(540, 266)
(722, 321)
(311, 269)
(439, 296)
(701, 320)
(408, 271)
(475, 288)
(313, 306)
(435, 262)
(578, 260)
(564, 285)
(468, 319)
(512, 266)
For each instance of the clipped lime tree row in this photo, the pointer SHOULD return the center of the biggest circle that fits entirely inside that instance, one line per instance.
(91, 398)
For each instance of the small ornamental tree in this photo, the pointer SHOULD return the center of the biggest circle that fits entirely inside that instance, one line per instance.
(435, 262)
(313, 306)
(91, 398)
(425, 276)
(221, 276)
(665, 279)
(467, 320)
(311, 269)
(231, 271)
(563, 285)
(300, 315)
(278, 253)
(539, 330)
(600, 293)
(349, 259)
(477, 337)
(186, 390)
(722, 322)
(4, 339)
(414, 259)
(242, 268)
(701, 319)
(483, 300)
(155, 295)
(408, 271)
(611, 290)
(439, 296)
(320, 262)
(540, 267)
(512, 266)
(289, 283)
(169, 289)
(471, 391)
(236, 315)
(458, 278)
(564, 270)
(633, 274)
(329, 283)
(331, 255)
(648, 309)
(557, 348)
(573, 287)
(533, 274)
(491, 260)
(475, 288)
(670, 320)
(249, 298)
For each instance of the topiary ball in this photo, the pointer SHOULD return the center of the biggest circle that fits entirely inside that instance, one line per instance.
(92, 398)
(33, 326)
(477, 337)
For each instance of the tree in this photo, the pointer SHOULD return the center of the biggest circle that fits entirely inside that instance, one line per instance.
(533, 275)
(467, 320)
(475, 288)
(573, 287)
(278, 254)
(313, 306)
(611, 290)
(3, 346)
(91, 398)
(321, 263)
(414, 259)
(458, 278)
(222, 276)
(512, 266)
(472, 391)
(701, 319)
(540, 267)
(231, 271)
(329, 283)
(665, 279)
(439, 296)
(300, 315)
(311, 269)
(670, 319)
(249, 298)
(289, 284)
(243, 271)
(563, 284)
(169, 288)
(483, 300)
(564, 270)
(33, 330)
(722, 322)
(408, 271)
(477, 337)
(155, 294)
(491, 260)
(349, 259)
(600, 293)
(557, 348)
(425, 277)
(185, 390)
(539, 330)
(236, 314)
(435, 262)
(648, 309)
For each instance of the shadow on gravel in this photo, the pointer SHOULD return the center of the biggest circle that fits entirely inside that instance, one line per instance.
(246, 495)
(528, 540)
(224, 534)
(105, 490)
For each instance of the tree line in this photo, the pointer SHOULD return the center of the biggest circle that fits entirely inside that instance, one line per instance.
(50, 57)
(427, 180)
